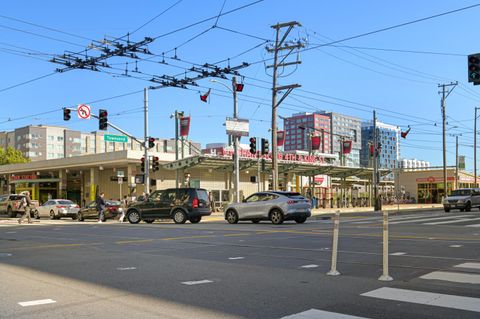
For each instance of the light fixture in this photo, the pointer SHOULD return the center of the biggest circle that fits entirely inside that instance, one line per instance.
(100, 168)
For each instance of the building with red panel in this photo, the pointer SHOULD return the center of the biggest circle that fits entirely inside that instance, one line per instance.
(301, 127)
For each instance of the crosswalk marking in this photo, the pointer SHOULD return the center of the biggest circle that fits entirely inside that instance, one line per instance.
(469, 265)
(36, 302)
(475, 225)
(425, 298)
(462, 220)
(394, 218)
(453, 277)
(198, 282)
(320, 314)
(309, 266)
(426, 219)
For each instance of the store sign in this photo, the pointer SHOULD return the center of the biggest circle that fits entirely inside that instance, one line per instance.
(21, 177)
(432, 179)
(322, 181)
(184, 125)
(237, 127)
(286, 157)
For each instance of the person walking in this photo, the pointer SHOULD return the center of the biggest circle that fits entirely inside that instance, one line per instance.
(26, 203)
(100, 202)
(124, 208)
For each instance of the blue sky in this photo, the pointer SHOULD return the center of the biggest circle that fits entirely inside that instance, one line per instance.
(352, 80)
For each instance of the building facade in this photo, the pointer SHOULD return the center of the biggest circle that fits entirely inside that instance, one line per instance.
(314, 124)
(40, 142)
(413, 163)
(388, 139)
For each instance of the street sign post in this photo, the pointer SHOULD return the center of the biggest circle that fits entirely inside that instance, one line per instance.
(115, 138)
(83, 112)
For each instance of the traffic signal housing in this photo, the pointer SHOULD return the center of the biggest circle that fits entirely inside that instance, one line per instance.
(474, 68)
(151, 142)
(142, 164)
(265, 146)
(253, 145)
(66, 114)
(155, 164)
(102, 120)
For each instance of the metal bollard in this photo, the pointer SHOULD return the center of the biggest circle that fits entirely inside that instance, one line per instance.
(336, 223)
(385, 276)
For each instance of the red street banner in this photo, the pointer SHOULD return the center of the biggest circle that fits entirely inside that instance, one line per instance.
(347, 147)
(280, 137)
(184, 125)
(315, 142)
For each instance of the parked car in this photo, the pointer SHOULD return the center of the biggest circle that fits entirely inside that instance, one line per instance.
(464, 199)
(57, 208)
(11, 204)
(180, 204)
(112, 209)
(275, 206)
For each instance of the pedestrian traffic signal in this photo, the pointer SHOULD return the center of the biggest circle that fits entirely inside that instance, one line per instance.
(142, 165)
(253, 145)
(66, 114)
(265, 146)
(151, 142)
(102, 120)
(474, 68)
(155, 164)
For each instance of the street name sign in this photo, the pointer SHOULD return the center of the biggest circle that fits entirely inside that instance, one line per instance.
(115, 138)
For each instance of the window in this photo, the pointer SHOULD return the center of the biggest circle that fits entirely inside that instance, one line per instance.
(51, 138)
(60, 138)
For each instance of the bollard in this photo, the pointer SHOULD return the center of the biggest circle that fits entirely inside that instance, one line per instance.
(336, 222)
(385, 276)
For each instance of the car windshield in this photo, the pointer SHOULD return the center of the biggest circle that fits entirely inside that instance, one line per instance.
(462, 192)
(65, 202)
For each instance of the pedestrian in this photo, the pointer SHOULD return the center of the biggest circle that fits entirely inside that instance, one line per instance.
(124, 208)
(212, 202)
(25, 204)
(100, 202)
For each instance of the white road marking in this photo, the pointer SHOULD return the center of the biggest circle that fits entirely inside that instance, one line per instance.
(398, 254)
(11, 232)
(126, 268)
(198, 282)
(475, 225)
(455, 246)
(426, 219)
(469, 265)
(36, 302)
(5, 255)
(235, 258)
(452, 221)
(309, 266)
(453, 277)
(320, 314)
(426, 298)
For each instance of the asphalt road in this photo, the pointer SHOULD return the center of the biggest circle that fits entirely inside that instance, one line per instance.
(66, 269)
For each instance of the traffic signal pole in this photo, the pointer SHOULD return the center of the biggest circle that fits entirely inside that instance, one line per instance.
(236, 142)
(146, 180)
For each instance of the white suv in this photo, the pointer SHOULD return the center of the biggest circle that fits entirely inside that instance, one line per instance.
(463, 199)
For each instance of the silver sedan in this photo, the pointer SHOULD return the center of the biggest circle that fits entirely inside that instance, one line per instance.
(57, 208)
(275, 206)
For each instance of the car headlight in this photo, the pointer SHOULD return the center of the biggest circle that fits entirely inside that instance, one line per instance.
(461, 201)
(120, 209)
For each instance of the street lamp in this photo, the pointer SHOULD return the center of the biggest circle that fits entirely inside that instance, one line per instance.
(236, 164)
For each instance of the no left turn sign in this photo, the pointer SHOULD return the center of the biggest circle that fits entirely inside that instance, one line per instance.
(83, 112)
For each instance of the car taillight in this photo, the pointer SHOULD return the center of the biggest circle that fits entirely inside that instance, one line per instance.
(195, 203)
(61, 206)
(76, 206)
(291, 202)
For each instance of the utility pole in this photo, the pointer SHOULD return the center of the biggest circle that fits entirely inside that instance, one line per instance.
(280, 45)
(236, 142)
(177, 118)
(445, 93)
(145, 143)
(456, 161)
(475, 147)
(376, 202)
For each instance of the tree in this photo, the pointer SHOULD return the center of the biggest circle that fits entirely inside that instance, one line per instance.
(11, 156)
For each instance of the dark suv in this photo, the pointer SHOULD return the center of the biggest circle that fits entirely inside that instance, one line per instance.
(180, 204)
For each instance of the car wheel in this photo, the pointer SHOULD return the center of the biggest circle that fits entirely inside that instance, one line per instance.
(133, 217)
(149, 221)
(300, 220)
(232, 216)
(10, 212)
(447, 210)
(468, 207)
(195, 220)
(52, 215)
(80, 217)
(36, 215)
(276, 216)
(179, 216)
(255, 221)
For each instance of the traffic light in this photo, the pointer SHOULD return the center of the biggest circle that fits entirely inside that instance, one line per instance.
(474, 68)
(253, 145)
(151, 142)
(102, 120)
(142, 165)
(155, 164)
(265, 146)
(66, 114)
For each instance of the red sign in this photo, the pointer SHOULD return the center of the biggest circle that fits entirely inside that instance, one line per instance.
(20, 177)
(347, 147)
(432, 179)
(184, 125)
(280, 138)
(243, 153)
(316, 142)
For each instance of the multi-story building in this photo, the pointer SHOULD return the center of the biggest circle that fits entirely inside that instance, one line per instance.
(388, 138)
(413, 163)
(314, 124)
(41, 142)
(345, 127)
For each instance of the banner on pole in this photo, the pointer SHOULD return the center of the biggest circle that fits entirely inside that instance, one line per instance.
(280, 138)
(347, 147)
(184, 125)
(316, 142)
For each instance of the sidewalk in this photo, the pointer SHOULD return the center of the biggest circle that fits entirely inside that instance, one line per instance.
(401, 207)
